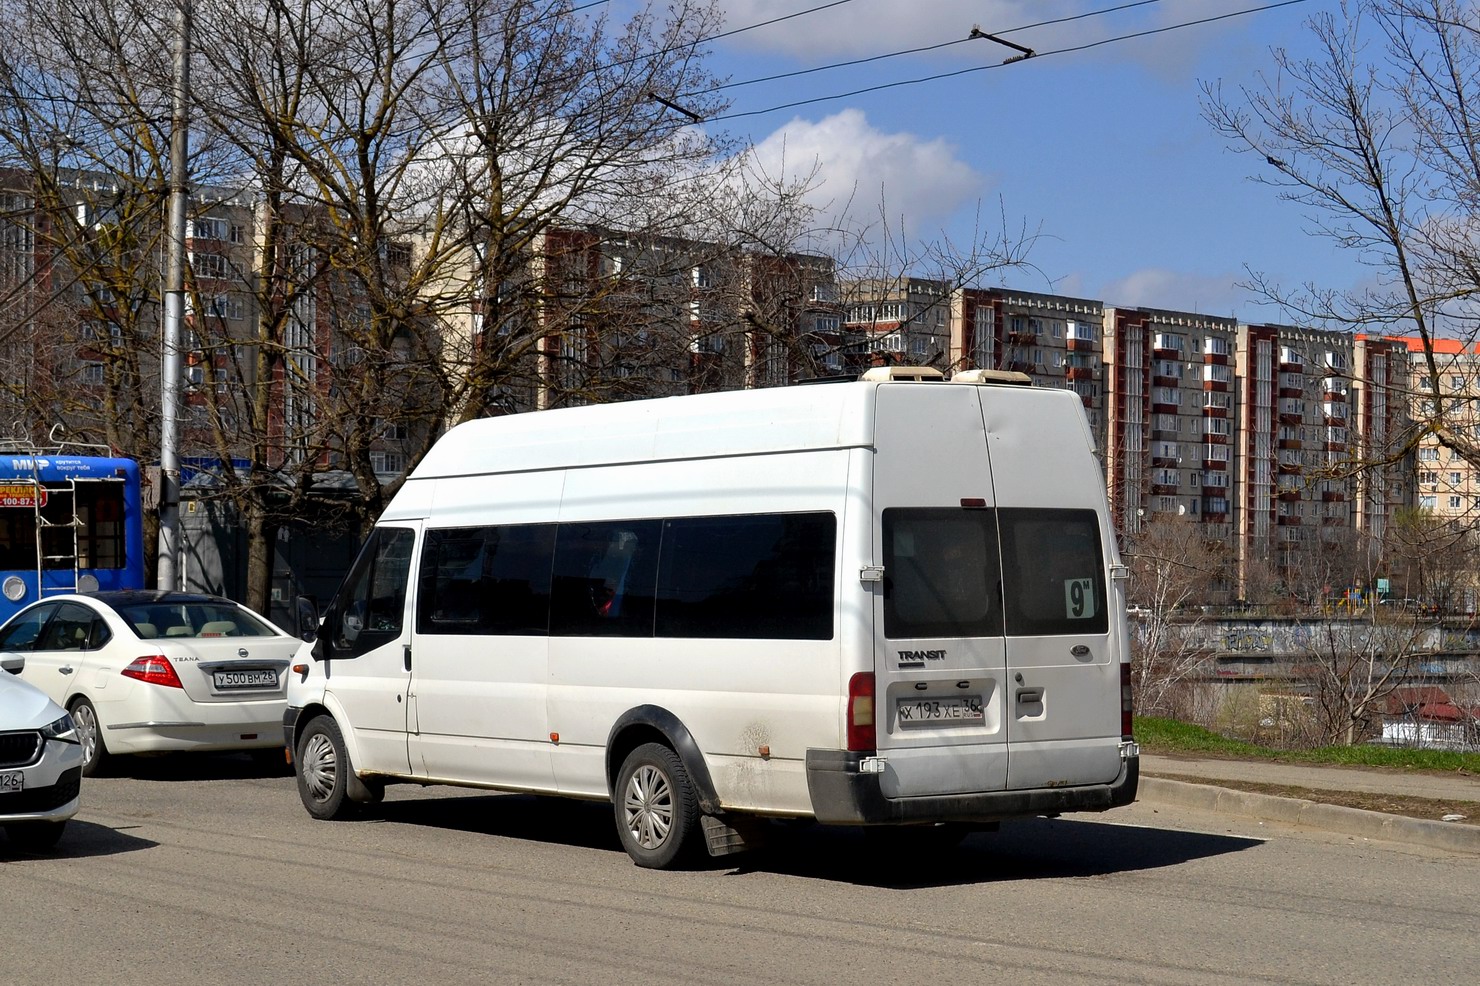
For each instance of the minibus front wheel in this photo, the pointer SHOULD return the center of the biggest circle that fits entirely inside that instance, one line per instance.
(656, 810)
(324, 771)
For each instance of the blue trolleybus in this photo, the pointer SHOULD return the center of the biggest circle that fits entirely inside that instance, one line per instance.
(68, 523)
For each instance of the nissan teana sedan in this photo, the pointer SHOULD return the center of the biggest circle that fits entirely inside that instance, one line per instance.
(147, 671)
(40, 762)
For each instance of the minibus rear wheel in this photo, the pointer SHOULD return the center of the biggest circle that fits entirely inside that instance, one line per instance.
(656, 810)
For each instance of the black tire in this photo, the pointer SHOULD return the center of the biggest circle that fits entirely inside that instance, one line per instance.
(95, 755)
(322, 766)
(35, 836)
(656, 811)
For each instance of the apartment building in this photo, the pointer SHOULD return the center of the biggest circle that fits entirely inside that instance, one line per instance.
(1444, 482)
(1313, 463)
(615, 315)
(900, 321)
(1172, 418)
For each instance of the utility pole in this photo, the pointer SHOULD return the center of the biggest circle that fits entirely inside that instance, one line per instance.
(168, 573)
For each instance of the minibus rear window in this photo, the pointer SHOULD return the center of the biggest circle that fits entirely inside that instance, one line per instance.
(1054, 573)
(941, 574)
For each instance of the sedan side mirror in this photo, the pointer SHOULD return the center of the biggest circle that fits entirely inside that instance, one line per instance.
(14, 663)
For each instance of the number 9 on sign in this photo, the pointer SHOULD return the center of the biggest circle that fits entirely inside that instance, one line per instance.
(1079, 598)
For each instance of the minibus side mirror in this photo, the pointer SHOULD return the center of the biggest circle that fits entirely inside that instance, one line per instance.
(307, 614)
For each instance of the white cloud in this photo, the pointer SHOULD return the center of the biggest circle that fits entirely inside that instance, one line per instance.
(921, 181)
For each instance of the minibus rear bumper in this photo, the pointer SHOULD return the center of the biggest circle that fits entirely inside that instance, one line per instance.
(843, 794)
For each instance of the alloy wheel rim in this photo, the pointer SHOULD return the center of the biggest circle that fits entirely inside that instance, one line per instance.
(320, 766)
(87, 729)
(648, 807)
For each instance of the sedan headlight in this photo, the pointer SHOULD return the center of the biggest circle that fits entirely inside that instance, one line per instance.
(64, 729)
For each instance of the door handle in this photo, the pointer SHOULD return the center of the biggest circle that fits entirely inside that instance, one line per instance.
(65, 670)
(406, 656)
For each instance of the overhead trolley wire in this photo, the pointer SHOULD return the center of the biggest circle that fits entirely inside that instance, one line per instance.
(981, 68)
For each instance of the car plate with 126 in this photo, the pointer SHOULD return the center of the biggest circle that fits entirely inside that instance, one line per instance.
(939, 711)
(12, 781)
(255, 678)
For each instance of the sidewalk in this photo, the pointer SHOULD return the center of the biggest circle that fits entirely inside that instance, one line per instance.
(1194, 782)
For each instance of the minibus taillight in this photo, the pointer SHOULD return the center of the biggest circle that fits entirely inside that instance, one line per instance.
(861, 712)
(1125, 701)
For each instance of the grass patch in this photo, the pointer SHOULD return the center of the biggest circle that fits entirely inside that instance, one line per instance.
(1168, 736)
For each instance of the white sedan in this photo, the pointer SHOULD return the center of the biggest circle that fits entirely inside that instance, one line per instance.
(40, 763)
(147, 671)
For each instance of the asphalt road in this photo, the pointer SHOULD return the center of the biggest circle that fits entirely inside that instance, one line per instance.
(201, 870)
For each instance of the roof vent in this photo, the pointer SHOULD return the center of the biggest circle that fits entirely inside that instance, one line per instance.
(917, 373)
(1011, 378)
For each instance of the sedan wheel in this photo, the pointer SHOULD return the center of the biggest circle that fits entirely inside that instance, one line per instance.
(90, 731)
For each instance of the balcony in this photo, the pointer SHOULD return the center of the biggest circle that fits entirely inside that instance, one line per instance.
(1022, 330)
(1168, 346)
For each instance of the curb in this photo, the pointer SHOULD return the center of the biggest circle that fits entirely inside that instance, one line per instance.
(1312, 814)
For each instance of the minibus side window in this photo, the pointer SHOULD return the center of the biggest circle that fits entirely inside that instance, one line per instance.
(371, 606)
(1053, 572)
(941, 573)
(486, 580)
(605, 575)
(752, 576)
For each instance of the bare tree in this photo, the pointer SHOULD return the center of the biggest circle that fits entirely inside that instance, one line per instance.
(1375, 138)
(1175, 572)
(1354, 665)
(1433, 560)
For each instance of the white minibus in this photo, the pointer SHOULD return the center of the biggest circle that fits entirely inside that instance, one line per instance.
(893, 602)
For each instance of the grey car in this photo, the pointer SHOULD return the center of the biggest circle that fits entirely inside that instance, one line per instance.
(40, 762)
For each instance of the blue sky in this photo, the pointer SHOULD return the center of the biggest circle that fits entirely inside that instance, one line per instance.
(1104, 150)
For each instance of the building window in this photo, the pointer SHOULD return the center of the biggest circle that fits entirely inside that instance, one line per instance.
(208, 228)
(387, 463)
(1454, 503)
(208, 265)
